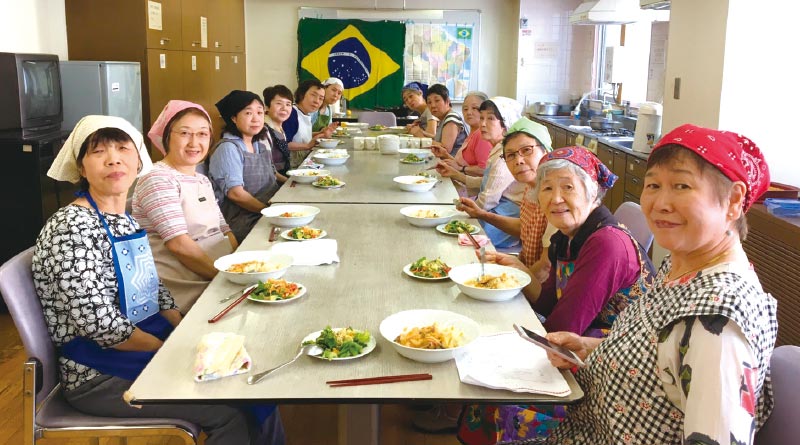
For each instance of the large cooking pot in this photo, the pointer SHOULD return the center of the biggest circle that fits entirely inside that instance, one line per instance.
(601, 123)
(545, 108)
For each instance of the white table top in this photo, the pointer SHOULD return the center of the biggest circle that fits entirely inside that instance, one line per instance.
(374, 243)
(368, 177)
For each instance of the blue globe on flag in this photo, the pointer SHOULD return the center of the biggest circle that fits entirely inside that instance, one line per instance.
(350, 62)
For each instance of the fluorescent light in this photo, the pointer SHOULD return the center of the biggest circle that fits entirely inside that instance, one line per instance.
(390, 14)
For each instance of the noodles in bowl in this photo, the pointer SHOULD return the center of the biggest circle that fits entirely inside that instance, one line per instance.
(499, 283)
(429, 335)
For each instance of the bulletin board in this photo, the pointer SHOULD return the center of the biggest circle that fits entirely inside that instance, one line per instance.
(442, 46)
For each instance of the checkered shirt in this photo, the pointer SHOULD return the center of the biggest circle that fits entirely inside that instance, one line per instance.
(532, 226)
(625, 402)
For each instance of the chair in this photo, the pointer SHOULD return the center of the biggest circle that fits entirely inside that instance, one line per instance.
(384, 118)
(630, 214)
(782, 427)
(46, 413)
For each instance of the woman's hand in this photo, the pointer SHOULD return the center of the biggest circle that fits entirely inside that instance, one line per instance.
(469, 207)
(416, 131)
(442, 153)
(446, 170)
(505, 260)
(581, 346)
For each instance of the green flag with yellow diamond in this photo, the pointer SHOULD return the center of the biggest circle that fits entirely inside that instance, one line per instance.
(366, 56)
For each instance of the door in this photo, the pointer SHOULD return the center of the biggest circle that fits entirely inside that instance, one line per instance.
(165, 82)
(194, 25)
(163, 21)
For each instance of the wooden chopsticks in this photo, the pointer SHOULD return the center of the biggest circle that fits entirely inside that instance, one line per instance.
(380, 380)
(232, 305)
(474, 241)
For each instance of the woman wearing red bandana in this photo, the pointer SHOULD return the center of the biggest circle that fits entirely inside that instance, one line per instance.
(598, 269)
(688, 363)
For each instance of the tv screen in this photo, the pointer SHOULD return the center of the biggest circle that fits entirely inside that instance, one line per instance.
(40, 88)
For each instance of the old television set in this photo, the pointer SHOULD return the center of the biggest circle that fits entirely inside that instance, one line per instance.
(30, 94)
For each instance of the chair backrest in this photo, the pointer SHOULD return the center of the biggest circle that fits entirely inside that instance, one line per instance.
(782, 426)
(630, 214)
(384, 118)
(16, 285)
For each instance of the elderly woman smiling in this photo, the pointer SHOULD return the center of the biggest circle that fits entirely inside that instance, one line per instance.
(107, 322)
(472, 157)
(176, 205)
(688, 363)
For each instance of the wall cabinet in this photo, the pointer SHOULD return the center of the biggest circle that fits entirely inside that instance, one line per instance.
(188, 49)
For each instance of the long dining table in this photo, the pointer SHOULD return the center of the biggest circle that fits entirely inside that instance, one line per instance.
(366, 285)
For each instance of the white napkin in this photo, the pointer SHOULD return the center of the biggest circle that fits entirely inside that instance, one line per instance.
(309, 253)
(220, 354)
(506, 361)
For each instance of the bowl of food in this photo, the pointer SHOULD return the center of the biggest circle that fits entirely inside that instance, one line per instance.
(415, 183)
(429, 335)
(331, 158)
(252, 266)
(290, 215)
(499, 283)
(426, 215)
(328, 143)
(307, 175)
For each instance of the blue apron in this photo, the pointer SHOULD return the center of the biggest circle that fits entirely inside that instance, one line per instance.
(505, 207)
(137, 282)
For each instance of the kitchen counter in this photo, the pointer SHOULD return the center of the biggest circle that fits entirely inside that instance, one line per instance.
(564, 122)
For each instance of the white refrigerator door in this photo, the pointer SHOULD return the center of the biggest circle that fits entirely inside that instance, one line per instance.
(122, 91)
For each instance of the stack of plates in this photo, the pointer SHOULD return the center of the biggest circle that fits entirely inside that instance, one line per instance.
(388, 144)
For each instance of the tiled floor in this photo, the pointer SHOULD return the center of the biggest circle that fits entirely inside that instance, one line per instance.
(305, 424)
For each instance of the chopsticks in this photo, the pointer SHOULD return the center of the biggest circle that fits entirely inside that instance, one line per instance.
(473, 240)
(380, 380)
(232, 305)
(273, 233)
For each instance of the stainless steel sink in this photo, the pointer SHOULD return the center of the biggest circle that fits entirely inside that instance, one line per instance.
(625, 142)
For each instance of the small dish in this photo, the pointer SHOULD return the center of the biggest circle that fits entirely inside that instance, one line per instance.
(286, 235)
(407, 270)
(318, 185)
(440, 228)
(300, 293)
(371, 344)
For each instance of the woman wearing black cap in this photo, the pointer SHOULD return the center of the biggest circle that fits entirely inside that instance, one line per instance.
(241, 168)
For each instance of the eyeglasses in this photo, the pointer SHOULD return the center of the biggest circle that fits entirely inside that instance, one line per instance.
(523, 152)
(186, 135)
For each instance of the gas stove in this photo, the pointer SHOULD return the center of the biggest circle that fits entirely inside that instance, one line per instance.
(613, 132)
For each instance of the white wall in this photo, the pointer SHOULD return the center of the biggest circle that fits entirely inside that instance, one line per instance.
(735, 59)
(33, 26)
(271, 31)
(760, 88)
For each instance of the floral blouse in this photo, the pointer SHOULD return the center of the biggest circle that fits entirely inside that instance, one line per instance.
(73, 273)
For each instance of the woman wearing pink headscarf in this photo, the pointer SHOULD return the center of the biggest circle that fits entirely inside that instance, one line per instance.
(176, 205)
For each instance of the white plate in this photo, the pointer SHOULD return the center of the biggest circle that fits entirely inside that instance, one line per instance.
(407, 270)
(409, 162)
(285, 235)
(367, 349)
(475, 230)
(288, 300)
(328, 186)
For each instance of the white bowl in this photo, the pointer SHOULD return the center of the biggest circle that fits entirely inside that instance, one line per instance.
(281, 263)
(466, 272)
(361, 125)
(273, 213)
(415, 183)
(445, 214)
(331, 159)
(421, 152)
(393, 325)
(307, 175)
(328, 143)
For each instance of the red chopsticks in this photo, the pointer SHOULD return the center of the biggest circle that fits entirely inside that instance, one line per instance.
(380, 380)
(231, 306)
(473, 240)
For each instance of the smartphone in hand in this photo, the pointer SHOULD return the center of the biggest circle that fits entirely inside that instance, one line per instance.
(542, 342)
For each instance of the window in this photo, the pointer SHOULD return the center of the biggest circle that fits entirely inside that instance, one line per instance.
(643, 60)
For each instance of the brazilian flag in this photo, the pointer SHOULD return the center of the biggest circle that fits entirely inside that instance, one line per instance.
(366, 56)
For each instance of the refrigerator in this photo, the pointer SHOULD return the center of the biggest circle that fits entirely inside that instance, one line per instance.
(107, 88)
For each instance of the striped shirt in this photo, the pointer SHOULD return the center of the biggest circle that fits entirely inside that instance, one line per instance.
(157, 201)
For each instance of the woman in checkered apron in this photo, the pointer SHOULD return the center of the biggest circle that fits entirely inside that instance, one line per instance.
(598, 269)
(688, 363)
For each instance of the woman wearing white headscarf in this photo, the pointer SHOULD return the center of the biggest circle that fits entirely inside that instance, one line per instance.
(499, 192)
(323, 117)
(104, 319)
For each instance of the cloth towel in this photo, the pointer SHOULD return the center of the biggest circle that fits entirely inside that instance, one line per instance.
(309, 253)
(506, 361)
(463, 240)
(220, 354)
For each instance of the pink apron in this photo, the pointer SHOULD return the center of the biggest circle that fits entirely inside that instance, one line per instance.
(202, 222)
